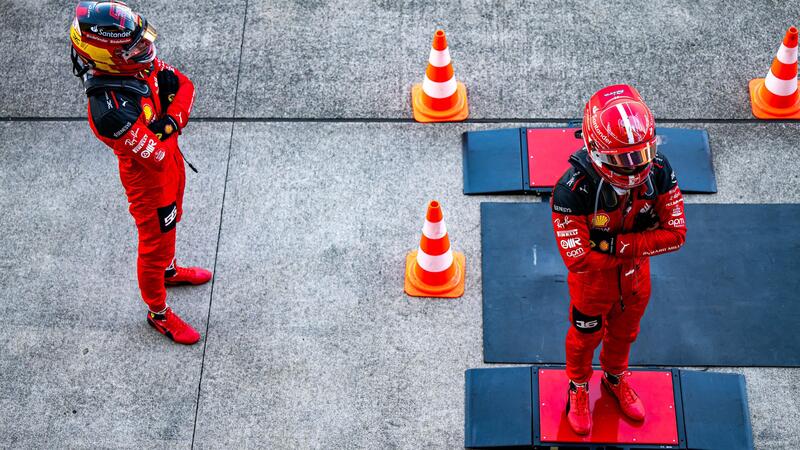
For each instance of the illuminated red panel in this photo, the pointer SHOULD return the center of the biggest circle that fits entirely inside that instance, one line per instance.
(608, 424)
(548, 152)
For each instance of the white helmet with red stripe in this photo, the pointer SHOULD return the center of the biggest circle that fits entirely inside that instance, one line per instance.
(620, 135)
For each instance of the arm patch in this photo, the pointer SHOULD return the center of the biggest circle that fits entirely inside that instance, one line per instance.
(113, 114)
(570, 195)
(665, 178)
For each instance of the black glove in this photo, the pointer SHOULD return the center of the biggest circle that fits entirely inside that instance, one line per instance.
(645, 221)
(167, 87)
(602, 241)
(164, 127)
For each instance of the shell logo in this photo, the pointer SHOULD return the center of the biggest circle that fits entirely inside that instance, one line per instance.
(600, 220)
(148, 112)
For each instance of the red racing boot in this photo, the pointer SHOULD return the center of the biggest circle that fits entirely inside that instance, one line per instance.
(578, 415)
(170, 325)
(176, 275)
(629, 402)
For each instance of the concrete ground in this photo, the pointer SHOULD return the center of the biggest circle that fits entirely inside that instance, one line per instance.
(312, 187)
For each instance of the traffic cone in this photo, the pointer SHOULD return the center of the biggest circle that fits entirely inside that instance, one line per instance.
(440, 98)
(776, 96)
(435, 270)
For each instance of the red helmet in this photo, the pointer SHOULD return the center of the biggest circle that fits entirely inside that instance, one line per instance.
(620, 135)
(110, 38)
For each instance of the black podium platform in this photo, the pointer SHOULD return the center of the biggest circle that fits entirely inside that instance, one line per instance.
(530, 160)
(520, 407)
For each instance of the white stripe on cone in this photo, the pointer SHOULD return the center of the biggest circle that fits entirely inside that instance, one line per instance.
(780, 87)
(439, 58)
(438, 263)
(434, 230)
(439, 90)
(787, 55)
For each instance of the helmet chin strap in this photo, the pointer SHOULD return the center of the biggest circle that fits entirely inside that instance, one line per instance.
(584, 161)
(619, 191)
(597, 196)
(79, 66)
(599, 190)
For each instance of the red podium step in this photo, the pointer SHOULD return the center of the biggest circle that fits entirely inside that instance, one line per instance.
(655, 388)
(548, 152)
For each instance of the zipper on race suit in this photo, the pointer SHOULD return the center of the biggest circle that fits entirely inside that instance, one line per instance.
(619, 283)
(625, 208)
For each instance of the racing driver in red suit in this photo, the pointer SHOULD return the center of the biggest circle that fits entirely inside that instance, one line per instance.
(617, 205)
(138, 106)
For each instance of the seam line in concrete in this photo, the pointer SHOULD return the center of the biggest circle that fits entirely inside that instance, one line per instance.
(558, 120)
(219, 231)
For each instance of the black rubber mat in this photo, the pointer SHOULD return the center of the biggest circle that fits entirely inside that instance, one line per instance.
(727, 298)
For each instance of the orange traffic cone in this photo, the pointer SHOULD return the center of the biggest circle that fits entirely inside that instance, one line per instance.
(776, 96)
(435, 270)
(440, 98)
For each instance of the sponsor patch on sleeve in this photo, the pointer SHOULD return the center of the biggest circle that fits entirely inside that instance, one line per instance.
(600, 220)
(567, 233)
(580, 251)
(570, 243)
(562, 209)
(680, 222)
(123, 130)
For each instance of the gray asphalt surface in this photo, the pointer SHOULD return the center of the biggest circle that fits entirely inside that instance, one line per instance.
(307, 201)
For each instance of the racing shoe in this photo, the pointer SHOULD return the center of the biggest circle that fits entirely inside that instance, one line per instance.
(170, 325)
(177, 275)
(578, 415)
(629, 402)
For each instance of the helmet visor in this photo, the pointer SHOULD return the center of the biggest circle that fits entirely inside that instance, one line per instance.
(630, 158)
(142, 49)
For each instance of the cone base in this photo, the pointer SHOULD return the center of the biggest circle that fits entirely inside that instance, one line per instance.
(452, 289)
(424, 114)
(764, 111)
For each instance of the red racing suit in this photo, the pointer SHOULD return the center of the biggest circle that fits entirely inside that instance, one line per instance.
(151, 169)
(609, 289)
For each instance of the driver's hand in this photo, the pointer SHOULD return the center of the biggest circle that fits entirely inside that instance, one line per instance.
(602, 241)
(646, 221)
(164, 127)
